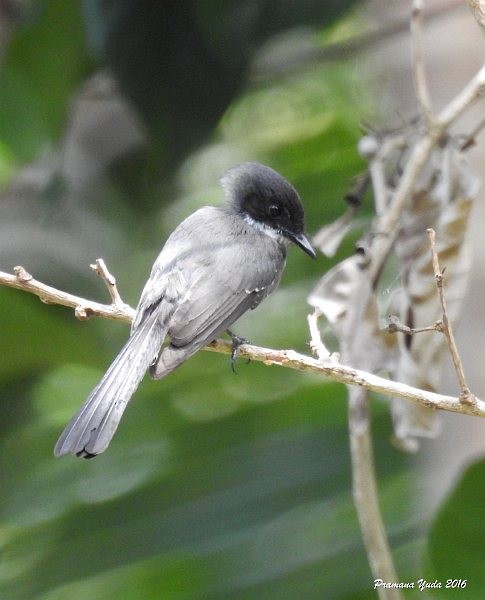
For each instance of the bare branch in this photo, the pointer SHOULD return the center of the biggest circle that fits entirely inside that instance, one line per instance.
(344, 374)
(84, 309)
(283, 358)
(364, 482)
(466, 395)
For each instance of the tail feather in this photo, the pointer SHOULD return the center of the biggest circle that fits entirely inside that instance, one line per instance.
(92, 428)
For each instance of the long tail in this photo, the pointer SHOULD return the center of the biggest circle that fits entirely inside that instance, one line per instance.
(92, 428)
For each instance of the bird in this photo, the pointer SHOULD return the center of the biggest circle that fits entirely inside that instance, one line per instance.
(217, 264)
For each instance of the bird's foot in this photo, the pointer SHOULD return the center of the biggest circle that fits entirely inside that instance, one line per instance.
(236, 341)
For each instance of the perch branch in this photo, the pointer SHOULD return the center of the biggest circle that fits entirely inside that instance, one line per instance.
(283, 358)
(466, 395)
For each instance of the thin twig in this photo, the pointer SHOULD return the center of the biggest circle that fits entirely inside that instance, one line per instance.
(283, 358)
(394, 325)
(100, 268)
(419, 76)
(466, 395)
(316, 344)
(462, 101)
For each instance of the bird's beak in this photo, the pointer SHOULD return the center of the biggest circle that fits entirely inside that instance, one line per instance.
(301, 240)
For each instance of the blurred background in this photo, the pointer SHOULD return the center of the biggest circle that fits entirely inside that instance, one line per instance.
(116, 121)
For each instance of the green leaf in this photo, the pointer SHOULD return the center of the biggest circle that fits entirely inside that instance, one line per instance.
(457, 537)
(40, 334)
(44, 63)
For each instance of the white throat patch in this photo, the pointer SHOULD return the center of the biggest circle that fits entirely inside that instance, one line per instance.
(266, 229)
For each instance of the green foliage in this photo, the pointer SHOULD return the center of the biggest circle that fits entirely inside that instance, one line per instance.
(44, 63)
(456, 540)
(246, 505)
(41, 345)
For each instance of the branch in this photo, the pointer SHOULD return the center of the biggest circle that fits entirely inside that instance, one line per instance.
(290, 359)
(394, 325)
(465, 393)
(316, 344)
(344, 374)
(83, 309)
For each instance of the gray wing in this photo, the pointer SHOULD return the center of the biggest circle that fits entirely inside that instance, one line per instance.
(225, 278)
(223, 289)
(216, 299)
(211, 281)
(172, 270)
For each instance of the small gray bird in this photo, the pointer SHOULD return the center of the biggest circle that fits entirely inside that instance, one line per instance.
(217, 264)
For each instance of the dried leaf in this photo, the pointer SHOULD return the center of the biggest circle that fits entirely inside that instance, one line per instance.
(329, 237)
(442, 200)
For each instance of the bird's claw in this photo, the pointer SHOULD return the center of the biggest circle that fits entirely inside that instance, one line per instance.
(236, 341)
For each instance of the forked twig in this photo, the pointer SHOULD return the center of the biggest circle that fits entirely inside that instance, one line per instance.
(466, 396)
(100, 268)
(83, 309)
(394, 325)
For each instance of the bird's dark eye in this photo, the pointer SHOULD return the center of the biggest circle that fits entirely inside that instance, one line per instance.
(274, 210)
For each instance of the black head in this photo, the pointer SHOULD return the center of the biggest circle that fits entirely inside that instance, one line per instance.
(264, 196)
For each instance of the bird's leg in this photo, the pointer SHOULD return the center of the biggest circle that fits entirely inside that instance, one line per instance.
(236, 341)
